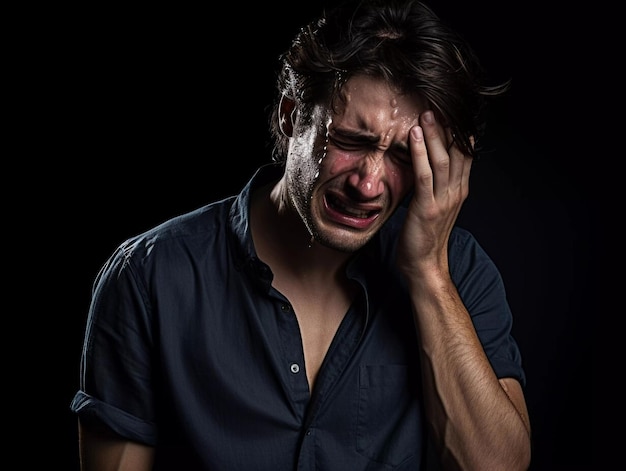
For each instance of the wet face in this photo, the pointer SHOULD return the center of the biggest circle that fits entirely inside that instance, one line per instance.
(349, 169)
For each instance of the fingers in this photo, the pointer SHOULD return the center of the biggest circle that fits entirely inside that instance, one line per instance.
(441, 169)
(421, 166)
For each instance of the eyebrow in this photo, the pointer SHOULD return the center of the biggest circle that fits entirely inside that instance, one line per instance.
(371, 139)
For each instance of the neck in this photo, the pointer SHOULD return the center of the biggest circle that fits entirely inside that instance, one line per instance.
(283, 242)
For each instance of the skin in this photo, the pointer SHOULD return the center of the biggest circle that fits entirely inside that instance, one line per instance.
(373, 152)
(345, 175)
(365, 166)
(102, 450)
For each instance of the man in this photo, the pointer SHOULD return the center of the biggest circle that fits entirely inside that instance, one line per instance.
(331, 316)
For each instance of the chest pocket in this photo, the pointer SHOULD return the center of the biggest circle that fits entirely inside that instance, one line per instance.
(389, 424)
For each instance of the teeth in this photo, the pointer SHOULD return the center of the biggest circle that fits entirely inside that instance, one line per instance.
(347, 210)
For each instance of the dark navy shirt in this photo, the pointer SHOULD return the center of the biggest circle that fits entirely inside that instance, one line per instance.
(190, 349)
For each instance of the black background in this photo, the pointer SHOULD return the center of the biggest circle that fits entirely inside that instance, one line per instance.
(155, 111)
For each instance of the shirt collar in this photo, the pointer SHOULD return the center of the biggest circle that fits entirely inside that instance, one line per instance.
(240, 214)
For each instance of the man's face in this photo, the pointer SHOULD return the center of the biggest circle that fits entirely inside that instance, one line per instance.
(348, 170)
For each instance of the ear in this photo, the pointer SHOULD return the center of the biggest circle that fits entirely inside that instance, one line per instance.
(286, 115)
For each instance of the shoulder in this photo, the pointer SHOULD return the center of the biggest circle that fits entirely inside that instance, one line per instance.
(466, 254)
(185, 234)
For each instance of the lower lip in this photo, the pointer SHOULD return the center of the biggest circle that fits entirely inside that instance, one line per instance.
(349, 221)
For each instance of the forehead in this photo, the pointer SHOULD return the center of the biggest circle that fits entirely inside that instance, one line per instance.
(371, 100)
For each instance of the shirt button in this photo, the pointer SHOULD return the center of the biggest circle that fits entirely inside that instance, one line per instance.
(284, 307)
(294, 368)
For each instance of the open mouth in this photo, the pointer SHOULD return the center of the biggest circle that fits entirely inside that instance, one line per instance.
(340, 206)
(349, 215)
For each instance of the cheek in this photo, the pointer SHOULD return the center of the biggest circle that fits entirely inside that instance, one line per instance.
(305, 155)
(401, 177)
(400, 182)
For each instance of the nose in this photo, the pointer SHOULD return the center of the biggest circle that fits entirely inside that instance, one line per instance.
(367, 177)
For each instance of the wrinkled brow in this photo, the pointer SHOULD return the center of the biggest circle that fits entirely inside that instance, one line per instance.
(371, 139)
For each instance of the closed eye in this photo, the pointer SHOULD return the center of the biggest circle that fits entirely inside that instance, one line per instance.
(348, 145)
(358, 142)
(402, 156)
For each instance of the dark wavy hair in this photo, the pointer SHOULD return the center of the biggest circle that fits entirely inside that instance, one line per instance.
(401, 41)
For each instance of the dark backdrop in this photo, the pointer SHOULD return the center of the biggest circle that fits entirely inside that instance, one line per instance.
(165, 110)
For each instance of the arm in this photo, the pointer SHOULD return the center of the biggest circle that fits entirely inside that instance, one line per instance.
(116, 391)
(478, 421)
(103, 450)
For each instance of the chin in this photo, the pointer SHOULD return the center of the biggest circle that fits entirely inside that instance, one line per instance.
(342, 241)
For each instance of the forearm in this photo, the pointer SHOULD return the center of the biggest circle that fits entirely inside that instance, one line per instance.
(475, 423)
(101, 450)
